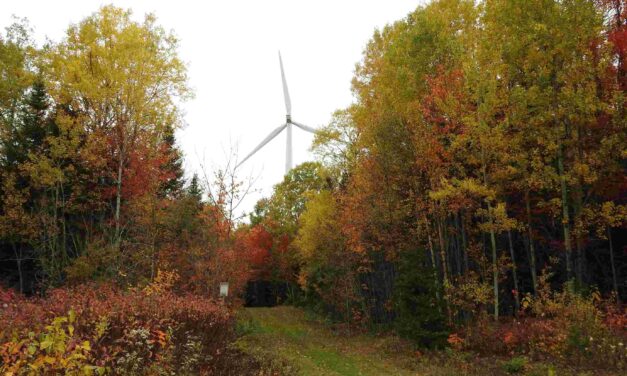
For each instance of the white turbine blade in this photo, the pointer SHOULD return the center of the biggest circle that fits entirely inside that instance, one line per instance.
(304, 127)
(263, 143)
(286, 93)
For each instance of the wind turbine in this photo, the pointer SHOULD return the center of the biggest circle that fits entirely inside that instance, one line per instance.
(287, 125)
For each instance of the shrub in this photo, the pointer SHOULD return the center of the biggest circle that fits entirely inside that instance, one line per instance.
(563, 326)
(515, 365)
(146, 331)
(468, 294)
(58, 348)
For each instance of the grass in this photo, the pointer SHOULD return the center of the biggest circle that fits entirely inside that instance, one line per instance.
(310, 346)
(301, 344)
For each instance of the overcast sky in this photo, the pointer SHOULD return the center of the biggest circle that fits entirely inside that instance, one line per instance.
(231, 51)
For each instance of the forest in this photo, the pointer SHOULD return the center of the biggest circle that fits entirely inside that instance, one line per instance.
(472, 199)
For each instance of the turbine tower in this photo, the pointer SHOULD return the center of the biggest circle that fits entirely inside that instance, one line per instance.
(287, 126)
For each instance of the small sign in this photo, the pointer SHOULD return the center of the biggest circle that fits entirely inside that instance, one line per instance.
(224, 289)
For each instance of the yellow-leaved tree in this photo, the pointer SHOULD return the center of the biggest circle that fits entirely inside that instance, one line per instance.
(121, 82)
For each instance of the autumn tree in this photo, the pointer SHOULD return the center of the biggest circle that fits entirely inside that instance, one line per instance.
(119, 79)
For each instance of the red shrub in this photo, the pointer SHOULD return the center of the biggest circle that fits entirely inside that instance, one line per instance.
(125, 329)
(616, 320)
(566, 327)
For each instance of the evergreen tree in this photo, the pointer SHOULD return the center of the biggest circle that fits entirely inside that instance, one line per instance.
(194, 190)
(173, 167)
(419, 309)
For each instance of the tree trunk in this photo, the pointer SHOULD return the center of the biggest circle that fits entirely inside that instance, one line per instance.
(514, 274)
(458, 245)
(432, 252)
(118, 198)
(581, 257)
(565, 215)
(614, 277)
(495, 268)
(443, 257)
(64, 247)
(578, 207)
(532, 252)
(435, 268)
(54, 249)
(21, 276)
(464, 250)
(18, 260)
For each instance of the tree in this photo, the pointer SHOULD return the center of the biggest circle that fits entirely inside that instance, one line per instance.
(121, 79)
(335, 145)
(610, 216)
(16, 223)
(420, 310)
(173, 182)
(327, 269)
(291, 195)
(16, 57)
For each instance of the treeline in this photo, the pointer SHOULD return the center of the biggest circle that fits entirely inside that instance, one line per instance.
(91, 180)
(482, 165)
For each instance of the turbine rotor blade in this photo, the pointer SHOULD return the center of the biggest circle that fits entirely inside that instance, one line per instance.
(286, 93)
(263, 143)
(304, 127)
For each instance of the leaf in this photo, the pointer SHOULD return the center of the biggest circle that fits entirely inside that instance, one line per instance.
(32, 349)
(45, 344)
(72, 316)
(86, 345)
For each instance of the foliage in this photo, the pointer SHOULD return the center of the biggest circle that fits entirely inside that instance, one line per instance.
(54, 350)
(560, 326)
(101, 329)
(515, 365)
(335, 145)
(468, 294)
(87, 132)
(276, 221)
(291, 195)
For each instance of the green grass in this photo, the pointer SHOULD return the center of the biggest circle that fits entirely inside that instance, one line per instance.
(333, 361)
(305, 345)
(285, 333)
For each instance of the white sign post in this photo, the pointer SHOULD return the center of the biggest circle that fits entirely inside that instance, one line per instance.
(224, 289)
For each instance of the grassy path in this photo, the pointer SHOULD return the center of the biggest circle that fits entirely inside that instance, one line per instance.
(284, 333)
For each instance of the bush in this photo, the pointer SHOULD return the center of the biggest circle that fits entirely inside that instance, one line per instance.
(515, 365)
(563, 326)
(101, 329)
(56, 349)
